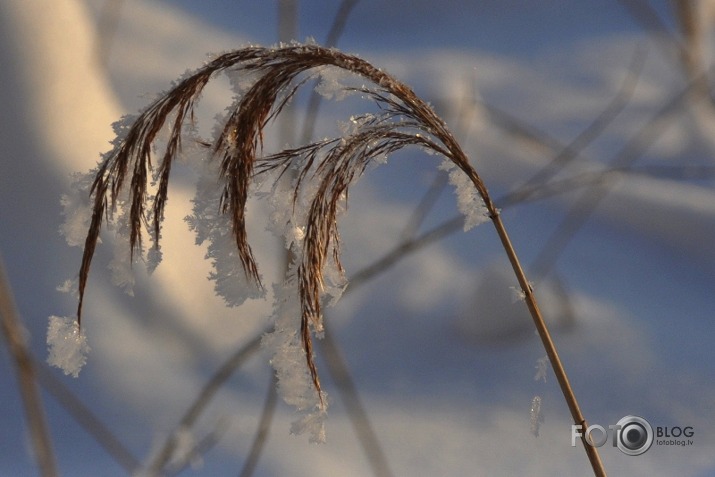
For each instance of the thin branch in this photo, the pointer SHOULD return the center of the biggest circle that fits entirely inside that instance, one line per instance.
(196, 453)
(339, 22)
(648, 18)
(338, 369)
(87, 419)
(204, 397)
(587, 203)
(13, 333)
(587, 136)
(264, 427)
(596, 178)
(425, 205)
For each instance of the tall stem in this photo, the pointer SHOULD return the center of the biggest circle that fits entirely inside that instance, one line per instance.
(549, 345)
(34, 411)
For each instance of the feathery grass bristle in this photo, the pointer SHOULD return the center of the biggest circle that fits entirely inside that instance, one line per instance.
(334, 164)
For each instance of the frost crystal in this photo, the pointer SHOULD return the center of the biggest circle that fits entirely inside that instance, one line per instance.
(70, 286)
(121, 264)
(330, 85)
(314, 423)
(287, 218)
(469, 202)
(295, 384)
(67, 345)
(537, 418)
(215, 227)
(517, 294)
(542, 366)
(77, 210)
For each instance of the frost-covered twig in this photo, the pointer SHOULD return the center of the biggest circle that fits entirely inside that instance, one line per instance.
(323, 171)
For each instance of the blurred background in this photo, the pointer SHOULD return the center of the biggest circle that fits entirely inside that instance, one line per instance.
(592, 124)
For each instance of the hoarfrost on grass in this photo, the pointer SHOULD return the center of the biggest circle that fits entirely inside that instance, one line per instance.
(331, 84)
(77, 210)
(537, 418)
(67, 345)
(288, 211)
(122, 274)
(469, 202)
(284, 343)
(542, 367)
(517, 294)
(314, 424)
(210, 224)
(289, 199)
(70, 286)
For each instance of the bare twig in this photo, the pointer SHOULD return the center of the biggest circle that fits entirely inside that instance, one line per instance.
(87, 419)
(587, 136)
(585, 205)
(197, 451)
(34, 411)
(204, 398)
(348, 391)
(264, 427)
(648, 18)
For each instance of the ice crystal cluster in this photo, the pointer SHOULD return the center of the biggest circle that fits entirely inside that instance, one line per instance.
(542, 368)
(306, 188)
(67, 345)
(537, 417)
(469, 202)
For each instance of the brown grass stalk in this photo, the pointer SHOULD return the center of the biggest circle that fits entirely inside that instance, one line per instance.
(14, 335)
(333, 165)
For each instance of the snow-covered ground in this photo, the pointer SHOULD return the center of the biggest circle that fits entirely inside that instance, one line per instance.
(442, 357)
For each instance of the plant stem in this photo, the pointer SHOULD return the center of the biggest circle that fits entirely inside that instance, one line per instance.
(549, 345)
(34, 411)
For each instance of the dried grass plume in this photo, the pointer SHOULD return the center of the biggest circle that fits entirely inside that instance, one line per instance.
(127, 174)
(404, 120)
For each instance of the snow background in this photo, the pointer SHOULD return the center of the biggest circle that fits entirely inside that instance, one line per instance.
(442, 359)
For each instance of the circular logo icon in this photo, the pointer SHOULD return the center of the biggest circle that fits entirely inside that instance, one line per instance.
(634, 435)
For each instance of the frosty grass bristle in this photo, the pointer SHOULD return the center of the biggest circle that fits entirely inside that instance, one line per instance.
(542, 367)
(67, 345)
(537, 418)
